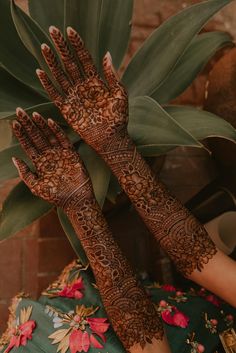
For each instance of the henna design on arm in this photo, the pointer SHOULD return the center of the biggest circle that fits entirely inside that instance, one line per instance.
(98, 111)
(61, 179)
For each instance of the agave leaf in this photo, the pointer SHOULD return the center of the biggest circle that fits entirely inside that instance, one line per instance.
(197, 55)
(114, 189)
(151, 127)
(202, 124)
(47, 110)
(103, 25)
(72, 237)
(31, 35)
(13, 93)
(46, 15)
(8, 170)
(19, 210)
(14, 57)
(161, 51)
(98, 172)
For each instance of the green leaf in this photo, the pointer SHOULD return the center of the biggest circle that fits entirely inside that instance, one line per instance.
(8, 170)
(197, 55)
(103, 25)
(46, 15)
(13, 93)
(98, 172)
(72, 237)
(19, 210)
(161, 51)
(152, 128)
(14, 57)
(201, 124)
(47, 110)
(31, 35)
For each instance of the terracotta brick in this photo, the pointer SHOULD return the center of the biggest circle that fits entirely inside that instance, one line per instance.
(54, 254)
(4, 312)
(11, 270)
(30, 265)
(50, 227)
(44, 280)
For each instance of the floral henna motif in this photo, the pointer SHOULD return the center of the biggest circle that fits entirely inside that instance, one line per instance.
(96, 110)
(131, 313)
(60, 178)
(179, 233)
(59, 172)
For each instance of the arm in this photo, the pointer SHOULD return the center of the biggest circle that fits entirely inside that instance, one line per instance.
(98, 111)
(61, 179)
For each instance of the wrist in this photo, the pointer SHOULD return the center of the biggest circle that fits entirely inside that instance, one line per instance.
(76, 196)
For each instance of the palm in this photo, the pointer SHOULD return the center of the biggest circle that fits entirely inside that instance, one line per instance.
(58, 168)
(95, 109)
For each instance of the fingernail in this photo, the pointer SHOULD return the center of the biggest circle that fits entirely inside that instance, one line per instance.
(39, 72)
(14, 160)
(53, 30)
(20, 112)
(36, 115)
(44, 46)
(70, 30)
(50, 122)
(15, 124)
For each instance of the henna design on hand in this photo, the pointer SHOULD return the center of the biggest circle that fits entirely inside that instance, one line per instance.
(95, 109)
(131, 312)
(178, 231)
(61, 178)
(59, 171)
(98, 112)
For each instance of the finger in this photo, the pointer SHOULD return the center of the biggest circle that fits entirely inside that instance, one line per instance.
(24, 140)
(82, 53)
(25, 173)
(67, 57)
(49, 88)
(60, 135)
(110, 74)
(55, 68)
(45, 129)
(31, 129)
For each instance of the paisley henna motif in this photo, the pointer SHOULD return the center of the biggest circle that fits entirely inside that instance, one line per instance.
(61, 178)
(98, 111)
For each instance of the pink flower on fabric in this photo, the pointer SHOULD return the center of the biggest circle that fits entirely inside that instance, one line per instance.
(175, 317)
(213, 299)
(80, 341)
(168, 288)
(21, 334)
(72, 290)
(82, 331)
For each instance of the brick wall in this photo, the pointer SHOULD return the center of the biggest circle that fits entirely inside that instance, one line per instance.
(35, 256)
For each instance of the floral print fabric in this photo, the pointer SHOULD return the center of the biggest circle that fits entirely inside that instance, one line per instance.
(70, 318)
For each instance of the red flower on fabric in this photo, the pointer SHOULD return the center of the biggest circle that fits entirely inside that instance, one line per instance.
(72, 290)
(20, 335)
(213, 299)
(81, 340)
(82, 331)
(168, 288)
(175, 317)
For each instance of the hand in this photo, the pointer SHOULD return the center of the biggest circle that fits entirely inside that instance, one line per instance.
(59, 172)
(95, 109)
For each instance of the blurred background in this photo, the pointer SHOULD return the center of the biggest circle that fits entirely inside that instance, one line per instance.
(34, 257)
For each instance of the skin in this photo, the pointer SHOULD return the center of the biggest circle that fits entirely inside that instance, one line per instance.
(98, 111)
(60, 178)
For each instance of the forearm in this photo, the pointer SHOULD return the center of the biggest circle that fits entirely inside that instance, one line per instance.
(179, 233)
(132, 314)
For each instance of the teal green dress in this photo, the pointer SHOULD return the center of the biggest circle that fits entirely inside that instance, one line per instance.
(69, 317)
